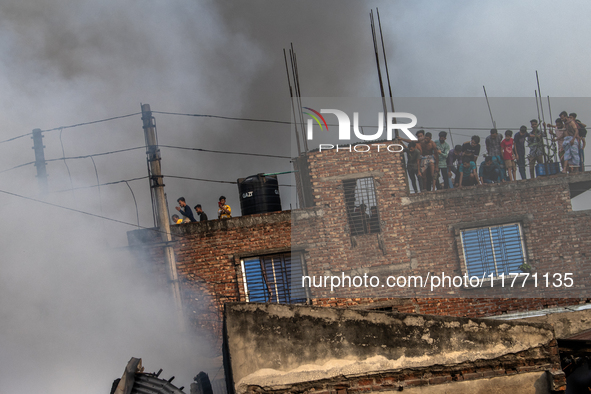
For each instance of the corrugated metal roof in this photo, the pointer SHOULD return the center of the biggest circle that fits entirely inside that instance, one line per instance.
(150, 384)
(135, 381)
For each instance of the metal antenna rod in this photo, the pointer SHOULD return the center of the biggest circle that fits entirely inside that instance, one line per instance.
(295, 121)
(540, 94)
(297, 75)
(387, 72)
(554, 148)
(539, 121)
(489, 111)
(537, 104)
(547, 145)
(297, 100)
(375, 47)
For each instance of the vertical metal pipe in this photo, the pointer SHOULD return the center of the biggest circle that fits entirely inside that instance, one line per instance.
(296, 78)
(375, 47)
(387, 71)
(489, 111)
(547, 144)
(295, 120)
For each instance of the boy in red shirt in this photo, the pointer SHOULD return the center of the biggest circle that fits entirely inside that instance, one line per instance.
(509, 154)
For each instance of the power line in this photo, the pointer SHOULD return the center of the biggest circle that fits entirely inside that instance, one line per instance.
(20, 165)
(72, 126)
(15, 138)
(92, 122)
(96, 154)
(208, 180)
(75, 157)
(198, 179)
(226, 152)
(102, 184)
(289, 123)
(143, 147)
(66, 163)
(137, 212)
(155, 229)
(145, 177)
(224, 117)
(73, 210)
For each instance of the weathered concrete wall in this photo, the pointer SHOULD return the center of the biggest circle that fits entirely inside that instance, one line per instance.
(277, 347)
(565, 324)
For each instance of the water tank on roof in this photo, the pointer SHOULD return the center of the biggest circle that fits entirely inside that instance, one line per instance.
(259, 194)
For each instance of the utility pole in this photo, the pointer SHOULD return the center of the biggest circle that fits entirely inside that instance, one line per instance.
(40, 160)
(157, 186)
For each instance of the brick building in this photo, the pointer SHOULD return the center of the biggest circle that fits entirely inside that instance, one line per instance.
(359, 218)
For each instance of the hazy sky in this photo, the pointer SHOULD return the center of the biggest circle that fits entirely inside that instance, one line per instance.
(64, 301)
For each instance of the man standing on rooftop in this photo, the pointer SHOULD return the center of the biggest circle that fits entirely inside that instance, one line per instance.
(536, 148)
(493, 148)
(443, 150)
(185, 210)
(429, 156)
(571, 144)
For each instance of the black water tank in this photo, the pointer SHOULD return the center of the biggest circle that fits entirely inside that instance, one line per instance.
(259, 194)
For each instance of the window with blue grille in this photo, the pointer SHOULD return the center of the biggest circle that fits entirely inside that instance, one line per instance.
(274, 278)
(496, 249)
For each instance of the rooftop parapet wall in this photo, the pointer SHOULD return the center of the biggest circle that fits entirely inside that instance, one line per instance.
(278, 346)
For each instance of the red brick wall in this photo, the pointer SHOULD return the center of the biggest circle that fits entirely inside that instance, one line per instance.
(421, 232)
(419, 235)
(538, 360)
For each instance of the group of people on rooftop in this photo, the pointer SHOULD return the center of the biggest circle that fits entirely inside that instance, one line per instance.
(224, 211)
(428, 159)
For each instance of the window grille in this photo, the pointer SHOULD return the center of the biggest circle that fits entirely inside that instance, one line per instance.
(274, 278)
(496, 249)
(362, 207)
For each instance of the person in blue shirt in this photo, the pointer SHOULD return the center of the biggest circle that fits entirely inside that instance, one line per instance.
(454, 164)
(468, 175)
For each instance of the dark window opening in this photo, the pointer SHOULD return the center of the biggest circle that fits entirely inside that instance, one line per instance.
(274, 278)
(362, 207)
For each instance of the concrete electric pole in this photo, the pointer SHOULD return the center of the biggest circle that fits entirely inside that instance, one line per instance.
(157, 186)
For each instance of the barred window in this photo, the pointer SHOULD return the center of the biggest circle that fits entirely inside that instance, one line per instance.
(362, 207)
(274, 278)
(496, 249)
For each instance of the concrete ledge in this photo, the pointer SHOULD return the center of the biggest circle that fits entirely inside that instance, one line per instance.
(272, 345)
(150, 236)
